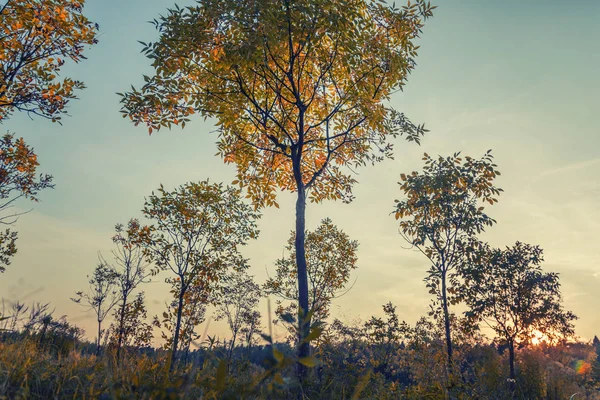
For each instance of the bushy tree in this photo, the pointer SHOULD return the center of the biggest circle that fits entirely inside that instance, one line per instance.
(441, 213)
(386, 335)
(197, 234)
(130, 329)
(299, 90)
(507, 290)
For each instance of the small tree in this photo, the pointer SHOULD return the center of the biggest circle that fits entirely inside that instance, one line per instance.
(387, 335)
(237, 299)
(18, 179)
(299, 90)
(197, 297)
(101, 297)
(131, 269)
(330, 258)
(36, 38)
(251, 327)
(133, 331)
(197, 234)
(508, 290)
(443, 210)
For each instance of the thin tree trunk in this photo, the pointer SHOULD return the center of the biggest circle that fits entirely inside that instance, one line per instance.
(121, 329)
(447, 325)
(230, 353)
(177, 328)
(304, 322)
(98, 341)
(511, 361)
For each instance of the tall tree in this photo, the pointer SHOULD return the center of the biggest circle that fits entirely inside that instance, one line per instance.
(130, 266)
(18, 179)
(330, 258)
(508, 291)
(299, 91)
(101, 297)
(197, 234)
(237, 300)
(441, 212)
(36, 38)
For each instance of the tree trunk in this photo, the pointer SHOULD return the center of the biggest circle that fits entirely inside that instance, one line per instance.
(304, 321)
(230, 352)
(121, 329)
(98, 341)
(177, 328)
(511, 361)
(447, 322)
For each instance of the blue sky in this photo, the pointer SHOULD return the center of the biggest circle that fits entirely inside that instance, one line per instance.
(517, 77)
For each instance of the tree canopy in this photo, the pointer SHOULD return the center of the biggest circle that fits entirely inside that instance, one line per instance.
(298, 89)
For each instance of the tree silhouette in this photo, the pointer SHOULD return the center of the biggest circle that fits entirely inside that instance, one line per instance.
(508, 291)
(299, 91)
(130, 329)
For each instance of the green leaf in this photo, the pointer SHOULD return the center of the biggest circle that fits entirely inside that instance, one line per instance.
(314, 333)
(221, 374)
(278, 355)
(309, 362)
(289, 318)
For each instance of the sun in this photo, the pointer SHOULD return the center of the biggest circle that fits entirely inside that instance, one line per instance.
(538, 337)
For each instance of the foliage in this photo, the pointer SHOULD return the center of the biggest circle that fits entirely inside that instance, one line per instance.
(197, 234)
(330, 258)
(134, 332)
(36, 38)
(197, 297)
(440, 216)
(18, 165)
(298, 88)
(349, 366)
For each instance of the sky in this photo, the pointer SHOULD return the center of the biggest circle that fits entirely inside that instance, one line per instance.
(519, 78)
